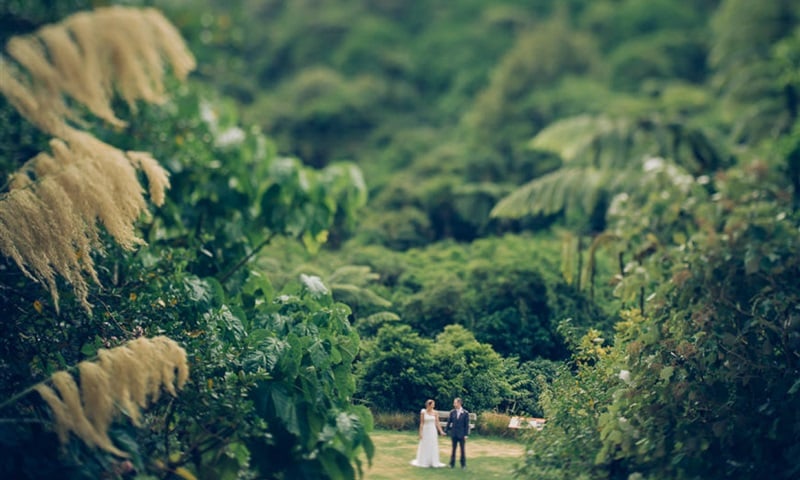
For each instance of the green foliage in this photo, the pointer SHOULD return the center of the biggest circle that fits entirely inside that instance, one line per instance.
(398, 229)
(510, 310)
(751, 72)
(306, 401)
(472, 370)
(689, 391)
(721, 352)
(271, 369)
(538, 59)
(638, 196)
(19, 17)
(321, 100)
(398, 370)
(513, 302)
(669, 55)
(618, 23)
(249, 194)
(572, 404)
(19, 140)
(602, 157)
(528, 381)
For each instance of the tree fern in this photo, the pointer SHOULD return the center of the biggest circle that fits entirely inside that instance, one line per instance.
(568, 190)
(355, 295)
(575, 137)
(589, 272)
(761, 99)
(601, 157)
(353, 274)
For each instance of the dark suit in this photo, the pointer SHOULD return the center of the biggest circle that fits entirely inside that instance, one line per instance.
(458, 427)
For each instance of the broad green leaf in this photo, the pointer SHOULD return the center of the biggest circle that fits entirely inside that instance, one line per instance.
(285, 410)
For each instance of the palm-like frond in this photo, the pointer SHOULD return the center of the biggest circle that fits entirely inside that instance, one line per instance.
(562, 190)
(353, 274)
(577, 139)
(349, 285)
(355, 295)
(602, 156)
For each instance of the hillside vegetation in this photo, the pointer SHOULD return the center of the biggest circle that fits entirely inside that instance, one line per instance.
(583, 210)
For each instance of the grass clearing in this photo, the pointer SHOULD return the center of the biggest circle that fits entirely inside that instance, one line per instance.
(486, 458)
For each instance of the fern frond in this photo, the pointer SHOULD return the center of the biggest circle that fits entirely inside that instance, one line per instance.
(552, 193)
(746, 71)
(589, 140)
(569, 138)
(355, 295)
(353, 274)
(382, 317)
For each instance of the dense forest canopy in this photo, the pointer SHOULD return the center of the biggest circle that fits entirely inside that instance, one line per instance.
(236, 233)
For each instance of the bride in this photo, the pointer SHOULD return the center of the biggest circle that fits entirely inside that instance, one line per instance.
(428, 449)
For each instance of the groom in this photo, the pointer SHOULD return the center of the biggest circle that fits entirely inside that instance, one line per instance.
(458, 427)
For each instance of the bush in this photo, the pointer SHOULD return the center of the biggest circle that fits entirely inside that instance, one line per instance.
(397, 369)
(495, 425)
(396, 420)
(400, 369)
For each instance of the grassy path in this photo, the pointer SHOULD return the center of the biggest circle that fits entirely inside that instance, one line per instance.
(487, 458)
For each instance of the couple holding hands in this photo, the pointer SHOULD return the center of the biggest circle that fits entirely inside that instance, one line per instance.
(457, 426)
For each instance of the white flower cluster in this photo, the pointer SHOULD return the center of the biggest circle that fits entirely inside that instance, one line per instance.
(230, 137)
(314, 285)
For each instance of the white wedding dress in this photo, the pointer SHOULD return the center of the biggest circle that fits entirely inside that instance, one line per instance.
(428, 449)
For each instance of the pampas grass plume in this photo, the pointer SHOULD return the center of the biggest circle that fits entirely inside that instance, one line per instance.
(125, 379)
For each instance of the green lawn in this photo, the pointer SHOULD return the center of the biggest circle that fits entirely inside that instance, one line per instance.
(486, 458)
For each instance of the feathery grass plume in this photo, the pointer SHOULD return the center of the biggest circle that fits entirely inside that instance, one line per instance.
(79, 423)
(88, 56)
(49, 226)
(61, 414)
(69, 414)
(174, 369)
(166, 364)
(48, 117)
(96, 394)
(147, 352)
(21, 226)
(125, 379)
(128, 372)
(157, 177)
(84, 182)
